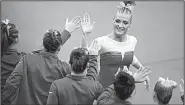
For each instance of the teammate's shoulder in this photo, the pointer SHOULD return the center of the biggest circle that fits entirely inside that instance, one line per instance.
(36, 52)
(63, 62)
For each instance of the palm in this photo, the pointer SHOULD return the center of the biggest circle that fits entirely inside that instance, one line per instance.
(87, 26)
(73, 24)
(141, 74)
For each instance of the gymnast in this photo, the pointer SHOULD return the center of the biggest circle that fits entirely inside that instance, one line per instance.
(116, 49)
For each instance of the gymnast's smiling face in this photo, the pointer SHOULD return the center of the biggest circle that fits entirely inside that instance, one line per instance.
(122, 21)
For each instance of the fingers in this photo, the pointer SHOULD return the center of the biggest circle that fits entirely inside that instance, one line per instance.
(119, 69)
(77, 20)
(181, 89)
(144, 68)
(66, 20)
(82, 21)
(140, 69)
(147, 84)
(84, 18)
(88, 18)
(78, 23)
(182, 81)
(146, 74)
(148, 88)
(146, 71)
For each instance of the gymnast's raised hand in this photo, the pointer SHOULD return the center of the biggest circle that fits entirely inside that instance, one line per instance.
(139, 76)
(87, 24)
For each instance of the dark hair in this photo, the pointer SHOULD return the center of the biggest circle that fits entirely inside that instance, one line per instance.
(131, 2)
(124, 85)
(9, 33)
(52, 40)
(163, 93)
(78, 59)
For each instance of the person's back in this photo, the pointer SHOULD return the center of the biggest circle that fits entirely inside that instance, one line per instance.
(110, 97)
(81, 86)
(9, 60)
(10, 57)
(30, 81)
(76, 90)
(120, 92)
(41, 70)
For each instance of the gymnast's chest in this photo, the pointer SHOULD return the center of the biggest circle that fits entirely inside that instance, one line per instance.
(109, 46)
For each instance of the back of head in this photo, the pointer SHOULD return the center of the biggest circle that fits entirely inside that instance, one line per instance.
(124, 85)
(9, 34)
(52, 41)
(78, 59)
(163, 91)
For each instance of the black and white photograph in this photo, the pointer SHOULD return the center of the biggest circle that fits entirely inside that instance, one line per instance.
(120, 52)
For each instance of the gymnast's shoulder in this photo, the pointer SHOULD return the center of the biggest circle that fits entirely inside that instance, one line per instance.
(100, 38)
(132, 38)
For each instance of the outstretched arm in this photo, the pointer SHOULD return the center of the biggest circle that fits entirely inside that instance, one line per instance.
(137, 64)
(87, 28)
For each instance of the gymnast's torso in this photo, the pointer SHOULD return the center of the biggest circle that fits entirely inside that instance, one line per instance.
(113, 54)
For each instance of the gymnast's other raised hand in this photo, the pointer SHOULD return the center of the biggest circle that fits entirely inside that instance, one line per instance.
(87, 25)
(72, 25)
(141, 74)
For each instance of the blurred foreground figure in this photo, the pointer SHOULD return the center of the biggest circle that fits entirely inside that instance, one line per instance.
(163, 91)
(10, 56)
